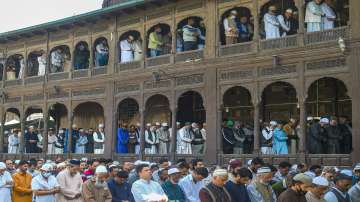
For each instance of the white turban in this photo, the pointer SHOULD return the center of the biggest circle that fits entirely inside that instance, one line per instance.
(321, 181)
(164, 124)
(100, 169)
(220, 172)
(273, 123)
(101, 125)
(2, 166)
(46, 167)
(324, 120)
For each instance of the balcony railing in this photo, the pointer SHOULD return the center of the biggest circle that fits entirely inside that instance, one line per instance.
(58, 76)
(15, 82)
(189, 56)
(129, 66)
(34, 80)
(234, 49)
(159, 60)
(80, 73)
(326, 35)
(283, 42)
(98, 71)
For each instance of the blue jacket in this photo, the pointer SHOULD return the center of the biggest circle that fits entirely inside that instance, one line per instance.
(120, 192)
(122, 141)
(280, 142)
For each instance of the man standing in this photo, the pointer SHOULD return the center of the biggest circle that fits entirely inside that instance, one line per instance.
(334, 137)
(155, 42)
(6, 183)
(239, 136)
(145, 189)
(193, 183)
(45, 185)
(318, 190)
(96, 189)
(127, 49)
(51, 141)
(215, 190)
(339, 192)
(81, 142)
(150, 138)
(260, 189)
(70, 182)
(190, 35)
(346, 142)
(13, 142)
(267, 137)
(185, 139)
(246, 31)
(231, 30)
(101, 53)
(90, 144)
(122, 139)
(171, 187)
(237, 186)
(99, 140)
(317, 137)
(329, 15)
(57, 61)
(31, 140)
(198, 140)
(280, 140)
(272, 25)
(296, 192)
(59, 144)
(313, 16)
(22, 183)
(119, 187)
(228, 137)
(164, 138)
(285, 22)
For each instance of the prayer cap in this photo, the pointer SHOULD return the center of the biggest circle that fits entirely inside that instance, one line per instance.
(321, 181)
(229, 123)
(84, 159)
(164, 124)
(74, 162)
(62, 164)
(61, 131)
(173, 171)
(46, 167)
(346, 172)
(193, 125)
(157, 124)
(101, 169)
(74, 126)
(2, 166)
(357, 166)
(289, 10)
(220, 172)
(310, 118)
(81, 130)
(233, 163)
(31, 127)
(249, 162)
(263, 170)
(138, 124)
(234, 12)
(178, 123)
(117, 163)
(101, 125)
(310, 174)
(301, 177)
(324, 120)
(273, 123)
(6, 132)
(148, 124)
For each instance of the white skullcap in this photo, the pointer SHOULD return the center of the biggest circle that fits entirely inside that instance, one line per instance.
(48, 161)
(74, 126)
(6, 132)
(31, 127)
(310, 174)
(347, 172)
(2, 166)
(62, 164)
(273, 123)
(46, 167)
(310, 118)
(263, 170)
(84, 159)
(233, 12)
(81, 130)
(357, 166)
(61, 130)
(138, 124)
(220, 172)
(294, 167)
(321, 181)
(249, 162)
(117, 163)
(178, 123)
(194, 125)
(148, 124)
(17, 161)
(101, 125)
(173, 171)
(164, 124)
(138, 162)
(157, 124)
(324, 120)
(100, 169)
(289, 10)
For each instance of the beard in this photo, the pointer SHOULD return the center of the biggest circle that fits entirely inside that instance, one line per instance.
(99, 184)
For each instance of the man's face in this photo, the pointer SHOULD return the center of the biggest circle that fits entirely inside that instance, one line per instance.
(127, 166)
(9, 164)
(114, 172)
(242, 180)
(318, 1)
(184, 172)
(257, 166)
(288, 15)
(165, 165)
(39, 164)
(164, 176)
(198, 177)
(220, 180)
(357, 173)
(319, 190)
(31, 130)
(145, 173)
(329, 176)
(102, 177)
(158, 30)
(191, 22)
(199, 164)
(318, 171)
(24, 168)
(94, 165)
(83, 166)
(343, 185)
(74, 169)
(284, 171)
(267, 177)
(175, 177)
(120, 180)
(243, 20)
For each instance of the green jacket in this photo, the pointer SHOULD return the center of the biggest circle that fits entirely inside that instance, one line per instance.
(173, 191)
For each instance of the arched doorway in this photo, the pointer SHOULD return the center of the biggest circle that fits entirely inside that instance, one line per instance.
(11, 128)
(34, 130)
(328, 99)
(81, 56)
(60, 59)
(157, 109)
(187, 27)
(130, 47)
(128, 133)
(59, 114)
(101, 52)
(238, 114)
(36, 64)
(234, 18)
(157, 35)
(88, 119)
(15, 65)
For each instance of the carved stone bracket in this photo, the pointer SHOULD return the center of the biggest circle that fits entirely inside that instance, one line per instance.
(326, 64)
(191, 79)
(127, 88)
(149, 85)
(271, 71)
(89, 92)
(235, 75)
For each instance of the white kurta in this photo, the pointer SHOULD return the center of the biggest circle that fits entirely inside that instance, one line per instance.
(164, 138)
(5, 190)
(271, 26)
(13, 144)
(80, 145)
(40, 183)
(138, 51)
(51, 144)
(42, 65)
(101, 141)
(69, 186)
(126, 49)
(22, 66)
(267, 136)
(313, 17)
(330, 16)
(185, 141)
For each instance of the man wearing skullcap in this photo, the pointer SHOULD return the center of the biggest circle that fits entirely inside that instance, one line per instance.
(339, 193)
(354, 192)
(122, 139)
(51, 141)
(260, 189)
(99, 140)
(150, 139)
(215, 190)
(81, 142)
(317, 137)
(313, 16)
(164, 138)
(59, 144)
(70, 182)
(96, 189)
(334, 137)
(45, 185)
(230, 28)
(228, 138)
(272, 24)
(266, 137)
(287, 23)
(197, 144)
(318, 190)
(31, 140)
(22, 183)
(186, 136)
(119, 187)
(297, 190)
(6, 183)
(171, 187)
(14, 142)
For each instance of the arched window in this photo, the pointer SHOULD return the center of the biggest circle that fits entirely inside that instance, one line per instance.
(81, 56)
(101, 52)
(190, 34)
(60, 59)
(278, 18)
(36, 64)
(236, 26)
(15, 65)
(130, 47)
(159, 40)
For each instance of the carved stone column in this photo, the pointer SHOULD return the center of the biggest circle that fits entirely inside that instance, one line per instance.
(70, 123)
(256, 127)
(301, 31)
(142, 133)
(2, 121)
(256, 38)
(211, 19)
(173, 134)
(302, 122)
(354, 63)
(109, 122)
(45, 133)
(22, 128)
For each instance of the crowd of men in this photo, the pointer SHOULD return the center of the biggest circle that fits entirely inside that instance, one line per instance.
(105, 180)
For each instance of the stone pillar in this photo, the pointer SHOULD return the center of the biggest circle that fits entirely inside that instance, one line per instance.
(22, 128)
(173, 134)
(70, 123)
(45, 133)
(212, 33)
(110, 125)
(256, 16)
(301, 31)
(354, 18)
(302, 122)
(354, 63)
(2, 121)
(112, 49)
(256, 127)
(142, 133)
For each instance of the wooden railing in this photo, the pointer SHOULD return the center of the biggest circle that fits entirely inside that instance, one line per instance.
(98, 71)
(326, 35)
(279, 43)
(189, 56)
(159, 60)
(34, 79)
(15, 82)
(129, 66)
(80, 73)
(58, 76)
(234, 49)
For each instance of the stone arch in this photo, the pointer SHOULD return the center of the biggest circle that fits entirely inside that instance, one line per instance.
(137, 44)
(81, 55)
(59, 113)
(15, 65)
(157, 109)
(36, 63)
(198, 23)
(88, 115)
(242, 12)
(63, 59)
(190, 107)
(237, 104)
(279, 102)
(101, 59)
(165, 31)
(128, 111)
